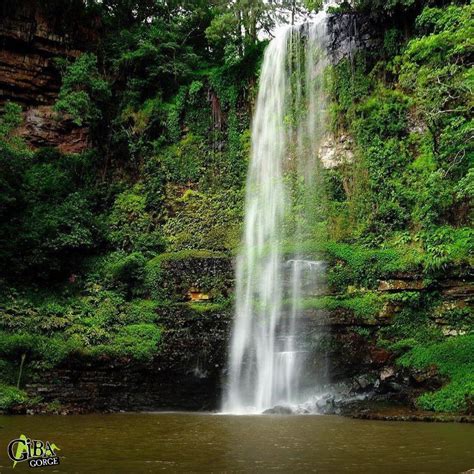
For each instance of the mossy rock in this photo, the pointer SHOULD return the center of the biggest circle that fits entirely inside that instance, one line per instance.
(183, 275)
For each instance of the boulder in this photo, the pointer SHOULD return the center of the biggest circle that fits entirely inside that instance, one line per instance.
(278, 410)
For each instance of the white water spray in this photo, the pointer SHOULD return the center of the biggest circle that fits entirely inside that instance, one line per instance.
(267, 355)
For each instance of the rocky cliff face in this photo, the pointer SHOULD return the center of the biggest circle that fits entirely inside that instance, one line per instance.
(30, 40)
(347, 34)
(196, 316)
(350, 32)
(351, 350)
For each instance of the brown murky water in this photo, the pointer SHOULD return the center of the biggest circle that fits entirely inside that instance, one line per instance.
(188, 442)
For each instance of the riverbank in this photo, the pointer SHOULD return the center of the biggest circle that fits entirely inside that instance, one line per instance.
(361, 410)
(397, 412)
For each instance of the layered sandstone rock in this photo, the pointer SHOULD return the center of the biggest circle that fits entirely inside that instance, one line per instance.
(43, 127)
(30, 42)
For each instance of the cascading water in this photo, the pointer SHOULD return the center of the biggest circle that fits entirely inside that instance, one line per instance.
(267, 353)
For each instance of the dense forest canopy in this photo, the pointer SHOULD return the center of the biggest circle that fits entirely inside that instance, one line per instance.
(167, 92)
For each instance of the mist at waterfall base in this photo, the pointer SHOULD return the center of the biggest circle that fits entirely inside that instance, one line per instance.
(268, 356)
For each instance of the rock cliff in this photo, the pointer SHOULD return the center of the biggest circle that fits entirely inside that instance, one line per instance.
(345, 355)
(31, 38)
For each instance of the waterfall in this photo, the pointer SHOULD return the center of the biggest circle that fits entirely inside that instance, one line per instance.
(267, 353)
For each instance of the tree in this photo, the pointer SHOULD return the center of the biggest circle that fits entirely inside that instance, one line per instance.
(242, 21)
(84, 91)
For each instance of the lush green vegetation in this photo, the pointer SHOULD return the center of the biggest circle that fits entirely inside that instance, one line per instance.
(406, 197)
(10, 396)
(365, 306)
(167, 95)
(84, 237)
(453, 358)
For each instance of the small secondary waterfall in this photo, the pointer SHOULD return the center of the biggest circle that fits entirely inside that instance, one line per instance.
(267, 353)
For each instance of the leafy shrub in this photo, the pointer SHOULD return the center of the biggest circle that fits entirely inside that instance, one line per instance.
(62, 228)
(411, 326)
(51, 331)
(11, 396)
(125, 272)
(366, 305)
(454, 358)
(446, 247)
(131, 227)
(50, 351)
(49, 213)
(384, 115)
(83, 90)
(10, 119)
(137, 341)
(458, 317)
(184, 163)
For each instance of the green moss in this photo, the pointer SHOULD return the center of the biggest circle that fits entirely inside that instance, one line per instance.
(366, 305)
(185, 255)
(203, 307)
(157, 274)
(365, 265)
(154, 272)
(183, 163)
(131, 227)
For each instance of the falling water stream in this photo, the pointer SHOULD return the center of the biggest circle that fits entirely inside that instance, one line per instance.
(267, 353)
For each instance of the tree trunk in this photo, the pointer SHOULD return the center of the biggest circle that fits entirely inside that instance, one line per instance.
(23, 357)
